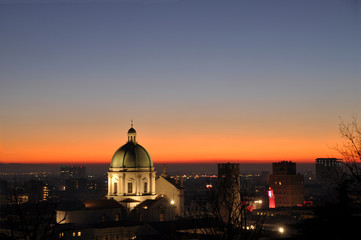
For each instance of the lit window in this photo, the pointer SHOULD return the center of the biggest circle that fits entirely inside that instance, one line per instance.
(79, 234)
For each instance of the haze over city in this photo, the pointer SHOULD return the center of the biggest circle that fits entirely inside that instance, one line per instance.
(203, 81)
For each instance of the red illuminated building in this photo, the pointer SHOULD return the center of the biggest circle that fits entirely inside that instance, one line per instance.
(271, 199)
(287, 186)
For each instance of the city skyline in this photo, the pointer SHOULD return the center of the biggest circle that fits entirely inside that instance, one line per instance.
(203, 81)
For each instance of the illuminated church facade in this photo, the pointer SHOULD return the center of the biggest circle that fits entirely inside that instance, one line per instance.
(132, 180)
(131, 176)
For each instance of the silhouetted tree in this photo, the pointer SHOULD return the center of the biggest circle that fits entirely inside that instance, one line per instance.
(339, 218)
(225, 212)
(350, 150)
(351, 147)
(28, 220)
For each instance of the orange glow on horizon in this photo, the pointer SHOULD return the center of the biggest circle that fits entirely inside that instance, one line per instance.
(200, 149)
(178, 143)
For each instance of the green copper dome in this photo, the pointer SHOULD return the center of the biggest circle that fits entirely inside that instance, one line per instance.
(131, 154)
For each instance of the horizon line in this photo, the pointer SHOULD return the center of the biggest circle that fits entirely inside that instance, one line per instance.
(163, 162)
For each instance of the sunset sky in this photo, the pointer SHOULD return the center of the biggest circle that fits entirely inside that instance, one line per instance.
(203, 80)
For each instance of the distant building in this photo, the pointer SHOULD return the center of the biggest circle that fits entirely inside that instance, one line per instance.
(37, 190)
(228, 193)
(75, 185)
(74, 171)
(74, 179)
(328, 170)
(287, 186)
(228, 174)
(4, 191)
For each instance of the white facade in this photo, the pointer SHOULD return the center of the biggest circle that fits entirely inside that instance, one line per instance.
(137, 184)
(132, 179)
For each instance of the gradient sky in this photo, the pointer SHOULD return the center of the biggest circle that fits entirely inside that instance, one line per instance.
(202, 80)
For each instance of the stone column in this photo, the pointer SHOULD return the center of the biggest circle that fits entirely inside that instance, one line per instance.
(152, 183)
(110, 183)
(125, 190)
(138, 183)
(121, 184)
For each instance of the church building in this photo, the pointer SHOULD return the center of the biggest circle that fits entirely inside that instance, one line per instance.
(132, 179)
(135, 194)
(131, 176)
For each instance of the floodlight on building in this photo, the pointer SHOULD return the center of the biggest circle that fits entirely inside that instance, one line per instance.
(271, 199)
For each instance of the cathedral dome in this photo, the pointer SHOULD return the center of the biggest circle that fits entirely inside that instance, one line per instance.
(131, 154)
